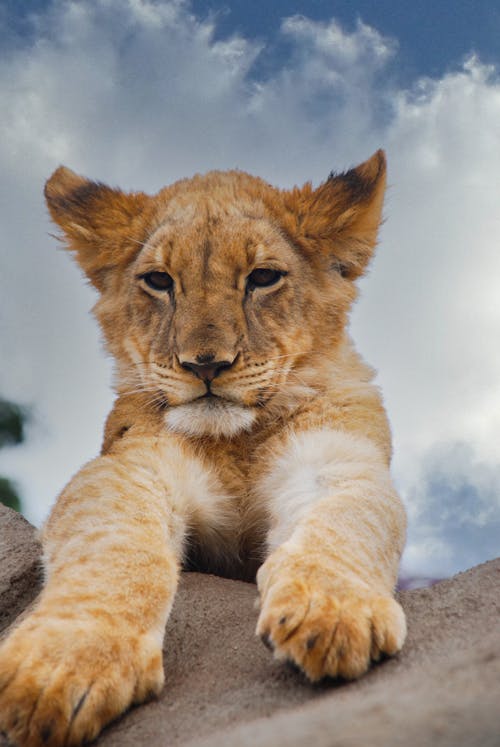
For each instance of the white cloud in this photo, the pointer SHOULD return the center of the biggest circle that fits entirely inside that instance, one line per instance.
(140, 93)
(356, 53)
(454, 511)
(439, 264)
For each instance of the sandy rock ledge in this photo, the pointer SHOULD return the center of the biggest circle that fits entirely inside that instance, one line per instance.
(223, 689)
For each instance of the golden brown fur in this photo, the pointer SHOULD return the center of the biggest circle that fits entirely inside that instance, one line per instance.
(246, 435)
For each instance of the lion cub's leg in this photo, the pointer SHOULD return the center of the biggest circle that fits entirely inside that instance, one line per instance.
(337, 531)
(93, 644)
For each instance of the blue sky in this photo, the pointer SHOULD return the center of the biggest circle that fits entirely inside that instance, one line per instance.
(139, 93)
(433, 37)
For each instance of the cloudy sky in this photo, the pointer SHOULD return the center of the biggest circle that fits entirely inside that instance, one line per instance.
(139, 93)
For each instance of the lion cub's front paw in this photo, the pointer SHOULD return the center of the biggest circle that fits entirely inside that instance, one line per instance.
(62, 681)
(327, 626)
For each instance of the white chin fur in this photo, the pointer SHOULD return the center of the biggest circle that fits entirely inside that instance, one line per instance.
(207, 417)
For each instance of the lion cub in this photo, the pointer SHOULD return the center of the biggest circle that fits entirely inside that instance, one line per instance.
(246, 438)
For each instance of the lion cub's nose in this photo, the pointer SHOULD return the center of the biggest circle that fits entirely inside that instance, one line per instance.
(205, 368)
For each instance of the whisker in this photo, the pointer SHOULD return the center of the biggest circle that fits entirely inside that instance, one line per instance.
(141, 243)
(157, 398)
(287, 355)
(141, 390)
(152, 368)
(151, 231)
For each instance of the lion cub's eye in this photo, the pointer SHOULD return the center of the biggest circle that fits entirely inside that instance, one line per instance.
(159, 281)
(263, 277)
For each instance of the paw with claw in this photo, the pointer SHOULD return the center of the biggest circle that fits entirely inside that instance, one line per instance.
(327, 625)
(62, 681)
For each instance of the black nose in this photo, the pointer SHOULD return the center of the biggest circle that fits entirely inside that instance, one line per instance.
(205, 368)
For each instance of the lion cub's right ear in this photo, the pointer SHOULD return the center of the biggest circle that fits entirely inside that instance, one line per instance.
(103, 226)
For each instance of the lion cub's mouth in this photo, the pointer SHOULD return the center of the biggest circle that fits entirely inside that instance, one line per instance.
(215, 400)
(211, 415)
(208, 395)
(211, 400)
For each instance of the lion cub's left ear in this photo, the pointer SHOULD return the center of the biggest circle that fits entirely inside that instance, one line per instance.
(102, 225)
(341, 217)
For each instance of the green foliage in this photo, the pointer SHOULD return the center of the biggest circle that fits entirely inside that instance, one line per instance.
(12, 421)
(8, 494)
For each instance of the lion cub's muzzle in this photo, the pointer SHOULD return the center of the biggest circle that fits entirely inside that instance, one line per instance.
(205, 367)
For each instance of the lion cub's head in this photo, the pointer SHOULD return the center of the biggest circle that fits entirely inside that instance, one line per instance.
(222, 296)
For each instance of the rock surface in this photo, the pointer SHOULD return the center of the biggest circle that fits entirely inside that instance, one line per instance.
(223, 689)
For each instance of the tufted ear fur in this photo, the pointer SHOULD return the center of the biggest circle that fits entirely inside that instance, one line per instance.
(101, 225)
(340, 219)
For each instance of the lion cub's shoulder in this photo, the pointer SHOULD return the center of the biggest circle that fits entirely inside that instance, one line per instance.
(131, 414)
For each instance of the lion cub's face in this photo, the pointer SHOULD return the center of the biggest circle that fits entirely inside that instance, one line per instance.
(215, 302)
(222, 297)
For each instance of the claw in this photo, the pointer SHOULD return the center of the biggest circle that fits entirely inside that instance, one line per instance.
(80, 703)
(266, 640)
(311, 642)
(46, 733)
